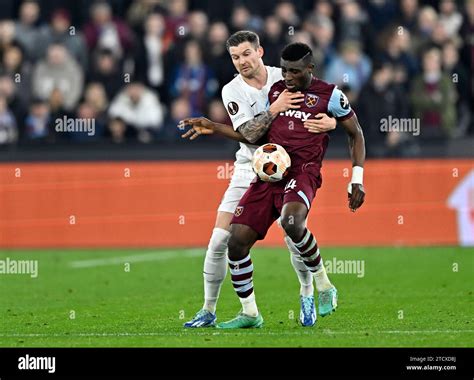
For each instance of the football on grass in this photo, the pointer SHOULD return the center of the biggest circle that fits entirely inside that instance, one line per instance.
(271, 162)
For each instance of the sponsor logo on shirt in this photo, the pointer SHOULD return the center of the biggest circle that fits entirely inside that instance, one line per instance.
(296, 114)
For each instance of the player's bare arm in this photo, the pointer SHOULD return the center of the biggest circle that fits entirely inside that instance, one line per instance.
(256, 128)
(204, 126)
(252, 130)
(357, 151)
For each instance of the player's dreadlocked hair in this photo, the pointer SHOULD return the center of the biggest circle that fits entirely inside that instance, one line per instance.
(243, 36)
(297, 51)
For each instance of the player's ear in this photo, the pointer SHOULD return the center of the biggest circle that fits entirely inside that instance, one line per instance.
(260, 52)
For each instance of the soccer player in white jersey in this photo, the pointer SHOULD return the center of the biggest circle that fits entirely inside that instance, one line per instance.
(245, 98)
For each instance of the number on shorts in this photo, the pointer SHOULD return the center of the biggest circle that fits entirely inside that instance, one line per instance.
(291, 184)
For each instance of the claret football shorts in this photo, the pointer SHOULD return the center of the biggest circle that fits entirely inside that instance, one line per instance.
(261, 205)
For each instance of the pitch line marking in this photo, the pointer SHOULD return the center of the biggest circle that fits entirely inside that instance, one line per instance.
(152, 256)
(193, 333)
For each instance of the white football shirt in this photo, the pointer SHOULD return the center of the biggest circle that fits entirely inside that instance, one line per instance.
(243, 102)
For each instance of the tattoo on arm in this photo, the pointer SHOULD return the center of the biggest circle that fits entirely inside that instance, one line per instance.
(254, 129)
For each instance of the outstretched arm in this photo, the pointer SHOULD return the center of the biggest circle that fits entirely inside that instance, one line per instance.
(250, 131)
(203, 126)
(357, 151)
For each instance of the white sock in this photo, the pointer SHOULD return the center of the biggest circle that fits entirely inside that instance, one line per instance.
(321, 278)
(249, 305)
(215, 267)
(303, 273)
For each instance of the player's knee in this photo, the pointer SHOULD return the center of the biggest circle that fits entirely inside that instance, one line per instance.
(237, 248)
(293, 226)
(218, 243)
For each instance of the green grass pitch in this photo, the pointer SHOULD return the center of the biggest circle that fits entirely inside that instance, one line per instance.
(408, 297)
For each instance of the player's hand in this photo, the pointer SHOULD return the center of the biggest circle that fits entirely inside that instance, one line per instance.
(286, 100)
(321, 123)
(199, 126)
(355, 196)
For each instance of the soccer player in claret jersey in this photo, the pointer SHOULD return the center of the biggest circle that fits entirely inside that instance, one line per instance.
(291, 198)
(245, 98)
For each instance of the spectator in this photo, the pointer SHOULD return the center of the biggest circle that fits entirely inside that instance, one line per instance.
(450, 18)
(18, 70)
(140, 110)
(106, 71)
(194, 79)
(198, 26)
(218, 113)
(324, 8)
(95, 96)
(439, 35)
(7, 34)
(467, 51)
(272, 40)
(395, 49)
(433, 98)
(304, 37)
(27, 28)
(381, 12)
(59, 71)
(149, 66)
(456, 71)
(285, 12)
(242, 19)
(62, 32)
(139, 11)
(427, 21)
(15, 102)
(56, 105)
(196, 29)
(106, 32)
(408, 17)
(117, 129)
(96, 125)
(379, 99)
(322, 33)
(180, 109)
(350, 67)
(8, 125)
(354, 25)
(218, 56)
(38, 123)
(176, 20)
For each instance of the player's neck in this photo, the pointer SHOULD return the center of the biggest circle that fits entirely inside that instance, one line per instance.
(259, 80)
(308, 83)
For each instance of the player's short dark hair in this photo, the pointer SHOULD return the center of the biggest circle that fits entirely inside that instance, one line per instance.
(296, 51)
(243, 36)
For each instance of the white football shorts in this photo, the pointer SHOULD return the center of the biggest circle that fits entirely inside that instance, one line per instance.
(238, 185)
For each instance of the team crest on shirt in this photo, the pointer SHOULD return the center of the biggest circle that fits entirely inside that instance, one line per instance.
(233, 108)
(311, 100)
(239, 210)
(275, 93)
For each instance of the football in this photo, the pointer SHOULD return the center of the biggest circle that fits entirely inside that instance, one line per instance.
(271, 162)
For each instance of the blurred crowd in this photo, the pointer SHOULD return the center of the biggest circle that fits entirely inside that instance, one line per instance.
(136, 67)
